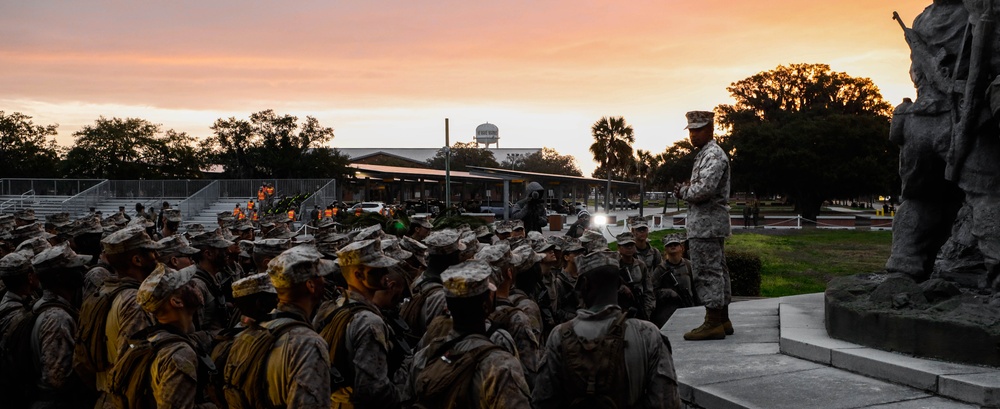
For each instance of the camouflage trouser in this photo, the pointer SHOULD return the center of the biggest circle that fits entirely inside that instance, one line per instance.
(711, 276)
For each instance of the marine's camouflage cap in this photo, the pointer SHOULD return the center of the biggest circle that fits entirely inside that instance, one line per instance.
(87, 225)
(470, 241)
(246, 248)
(297, 265)
(177, 244)
(172, 215)
(117, 219)
(392, 248)
(365, 253)
(241, 225)
(225, 216)
(516, 224)
(368, 233)
(57, 220)
(637, 222)
(213, 239)
(526, 257)
(418, 249)
(30, 231)
(33, 246)
(128, 239)
(546, 244)
(699, 119)
(422, 222)
(271, 247)
(590, 235)
(58, 257)
(26, 215)
(624, 238)
(15, 264)
(443, 242)
(483, 231)
(572, 245)
(280, 231)
(6, 221)
(499, 257)
(467, 279)
(674, 238)
(157, 288)
(590, 262)
(141, 221)
(194, 229)
(327, 223)
(257, 283)
(503, 227)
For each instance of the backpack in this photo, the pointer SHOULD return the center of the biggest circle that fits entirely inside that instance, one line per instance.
(246, 366)
(333, 330)
(446, 381)
(129, 380)
(501, 317)
(219, 356)
(90, 354)
(19, 369)
(593, 373)
(412, 310)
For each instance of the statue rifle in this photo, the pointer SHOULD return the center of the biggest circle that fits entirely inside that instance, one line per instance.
(922, 57)
(970, 101)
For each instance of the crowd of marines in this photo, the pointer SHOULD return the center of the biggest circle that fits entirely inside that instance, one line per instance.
(244, 315)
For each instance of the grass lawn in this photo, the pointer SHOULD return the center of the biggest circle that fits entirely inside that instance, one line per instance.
(803, 261)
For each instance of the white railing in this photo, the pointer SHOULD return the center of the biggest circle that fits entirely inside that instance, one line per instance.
(199, 201)
(86, 199)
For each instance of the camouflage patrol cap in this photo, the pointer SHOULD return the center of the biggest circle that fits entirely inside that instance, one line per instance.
(499, 257)
(590, 235)
(255, 284)
(26, 215)
(591, 262)
(637, 222)
(212, 239)
(141, 221)
(368, 233)
(365, 253)
(57, 220)
(594, 241)
(280, 231)
(544, 245)
(470, 241)
(483, 231)
(172, 215)
(15, 264)
(225, 216)
(58, 258)
(526, 256)
(467, 279)
(674, 238)
(177, 244)
(194, 229)
(422, 222)
(33, 246)
(699, 119)
(87, 225)
(392, 248)
(246, 248)
(30, 231)
(327, 223)
(117, 219)
(443, 242)
(160, 284)
(6, 221)
(516, 224)
(418, 249)
(271, 247)
(128, 239)
(503, 227)
(572, 245)
(241, 225)
(625, 238)
(297, 265)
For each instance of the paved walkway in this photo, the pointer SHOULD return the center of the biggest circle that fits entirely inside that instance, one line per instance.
(780, 357)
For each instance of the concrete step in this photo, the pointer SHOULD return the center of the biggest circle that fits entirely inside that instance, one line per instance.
(750, 370)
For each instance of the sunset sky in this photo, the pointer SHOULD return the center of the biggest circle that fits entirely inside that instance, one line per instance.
(387, 73)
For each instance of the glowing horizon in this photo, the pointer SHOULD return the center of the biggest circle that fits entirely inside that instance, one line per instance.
(391, 71)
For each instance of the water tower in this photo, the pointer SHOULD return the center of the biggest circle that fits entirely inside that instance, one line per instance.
(487, 134)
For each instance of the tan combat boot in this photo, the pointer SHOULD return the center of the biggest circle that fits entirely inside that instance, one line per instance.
(711, 329)
(726, 323)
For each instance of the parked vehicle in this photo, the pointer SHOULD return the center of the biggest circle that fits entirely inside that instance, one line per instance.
(371, 207)
(625, 203)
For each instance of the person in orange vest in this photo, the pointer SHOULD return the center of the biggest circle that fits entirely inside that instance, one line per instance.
(250, 205)
(328, 213)
(260, 194)
(237, 211)
(335, 211)
(270, 190)
(291, 215)
(253, 216)
(357, 212)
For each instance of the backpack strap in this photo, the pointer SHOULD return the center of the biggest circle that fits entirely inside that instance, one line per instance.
(446, 381)
(248, 377)
(129, 379)
(334, 332)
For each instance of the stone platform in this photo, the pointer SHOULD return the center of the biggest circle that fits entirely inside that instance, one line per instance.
(781, 357)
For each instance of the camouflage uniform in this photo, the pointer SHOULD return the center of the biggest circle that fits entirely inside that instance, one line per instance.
(52, 342)
(214, 316)
(652, 382)
(13, 306)
(498, 381)
(434, 301)
(569, 301)
(708, 224)
(174, 376)
(367, 340)
(124, 319)
(298, 368)
(526, 338)
(94, 279)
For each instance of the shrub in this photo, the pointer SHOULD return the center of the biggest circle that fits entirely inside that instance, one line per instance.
(744, 273)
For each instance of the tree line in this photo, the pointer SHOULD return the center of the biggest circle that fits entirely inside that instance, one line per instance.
(265, 145)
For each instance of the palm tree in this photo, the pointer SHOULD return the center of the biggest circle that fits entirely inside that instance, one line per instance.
(645, 167)
(612, 147)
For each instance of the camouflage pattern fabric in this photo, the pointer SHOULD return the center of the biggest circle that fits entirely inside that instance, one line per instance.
(711, 276)
(52, 341)
(174, 376)
(708, 194)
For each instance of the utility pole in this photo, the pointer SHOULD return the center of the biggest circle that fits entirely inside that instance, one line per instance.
(447, 167)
